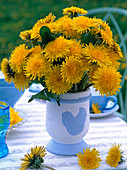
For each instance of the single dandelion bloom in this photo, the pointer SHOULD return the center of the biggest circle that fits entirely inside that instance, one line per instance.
(114, 57)
(89, 159)
(35, 50)
(114, 156)
(96, 54)
(75, 49)
(18, 58)
(82, 24)
(107, 80)
(72, 70)
(42, 22)
(74, 10)
(95, 108)
(36, 66)
(25, 35)
(56, 49)
(21, 82)
(14, 117)
(6, 70)
(117, 49)
(106, 33)
(34, 159)
(55, 82)
(65, 27)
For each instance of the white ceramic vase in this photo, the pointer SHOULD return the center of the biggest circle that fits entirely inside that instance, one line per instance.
(68, 123)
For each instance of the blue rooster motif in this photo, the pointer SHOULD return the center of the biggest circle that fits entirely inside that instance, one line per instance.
(74, 125)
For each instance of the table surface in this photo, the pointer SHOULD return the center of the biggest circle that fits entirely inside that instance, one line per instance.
(103, 132)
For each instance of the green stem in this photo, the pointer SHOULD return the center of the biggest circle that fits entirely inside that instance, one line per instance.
(47, 167)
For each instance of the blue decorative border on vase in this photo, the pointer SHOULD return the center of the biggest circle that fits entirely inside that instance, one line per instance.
(66, 149)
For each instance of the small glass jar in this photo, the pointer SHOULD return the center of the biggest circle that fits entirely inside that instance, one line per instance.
(4, 124)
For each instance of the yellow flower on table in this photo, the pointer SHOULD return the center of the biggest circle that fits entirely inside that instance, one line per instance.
(35, 159)
(14, 117)
(114, 156)
(89, 159)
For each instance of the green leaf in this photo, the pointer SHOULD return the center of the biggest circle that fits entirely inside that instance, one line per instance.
(40, 95)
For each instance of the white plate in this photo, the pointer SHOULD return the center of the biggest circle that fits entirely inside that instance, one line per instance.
(105, 112)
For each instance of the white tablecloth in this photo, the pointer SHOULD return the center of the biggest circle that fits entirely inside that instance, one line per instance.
(103, 132)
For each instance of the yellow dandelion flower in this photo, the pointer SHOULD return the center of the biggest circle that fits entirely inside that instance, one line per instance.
(6, 70)
(73, 10)
(72, 70)
(75, 49)
(55, 82)
(114, 57)
(114, 156)
(56, 49)
(117, 49)
(21, 82)
(95, 108)
(42, 22)
(34, 159)
(107, 80)
(89, 159)
(35, 66)
(106, 36)
(64, 26)
(25, 35)
(96, 54)
(35, 50)
(106, 33)
(14, 117)
(18, 58)
(82, 24)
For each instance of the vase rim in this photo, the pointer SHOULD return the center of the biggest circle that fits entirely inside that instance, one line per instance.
(75, 95)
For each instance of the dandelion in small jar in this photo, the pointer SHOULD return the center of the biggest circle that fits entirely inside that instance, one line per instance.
(89, 159)
(115, 156)
(35, 159)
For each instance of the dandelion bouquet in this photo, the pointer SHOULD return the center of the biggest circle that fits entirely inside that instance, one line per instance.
(66, 55)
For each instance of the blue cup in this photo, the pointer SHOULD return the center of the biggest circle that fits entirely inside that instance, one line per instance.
(103, 101)
(4, 124)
